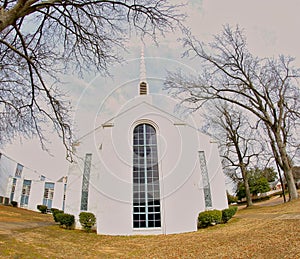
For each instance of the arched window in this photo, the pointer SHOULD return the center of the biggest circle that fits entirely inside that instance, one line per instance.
(146, 194)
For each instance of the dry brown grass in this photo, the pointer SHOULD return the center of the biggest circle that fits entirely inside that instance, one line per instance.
(259, 232)
(11, 214)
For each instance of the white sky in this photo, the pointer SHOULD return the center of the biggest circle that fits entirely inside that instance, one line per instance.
(272, 27)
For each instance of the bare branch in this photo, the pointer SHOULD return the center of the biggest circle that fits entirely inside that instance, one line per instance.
(267, 88)
(42, 39)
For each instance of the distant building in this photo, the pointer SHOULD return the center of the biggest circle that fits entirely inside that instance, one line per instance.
(145, 171)
(27, 187)
(296, 174)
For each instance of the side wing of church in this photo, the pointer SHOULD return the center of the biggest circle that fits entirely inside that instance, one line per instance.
(145, 171)
(27, 188)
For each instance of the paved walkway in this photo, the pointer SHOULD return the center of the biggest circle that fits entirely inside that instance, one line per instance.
(272, 201)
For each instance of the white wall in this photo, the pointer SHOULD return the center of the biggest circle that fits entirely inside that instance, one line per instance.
(58, 195)
(7, 170)
(181, 188)
(73, 193)
(36, 195)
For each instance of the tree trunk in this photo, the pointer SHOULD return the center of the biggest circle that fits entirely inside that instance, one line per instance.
(247, 188)
(287, 169)
(293, 194)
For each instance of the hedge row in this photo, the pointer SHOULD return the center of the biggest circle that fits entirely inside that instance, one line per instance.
(14, 203)
(86, 219)
(227, 214)
(55, 212)
(213, 217)
(65, 220)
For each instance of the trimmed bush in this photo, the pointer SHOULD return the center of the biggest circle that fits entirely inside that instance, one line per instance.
(209, 218)
(55, 212)
(227, 214)
(14, 203)
(59, 217)
(42, 208)
(65, 220)
(87, 220)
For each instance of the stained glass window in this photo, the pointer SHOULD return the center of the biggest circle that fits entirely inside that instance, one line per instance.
(205, 180)
(85, 182)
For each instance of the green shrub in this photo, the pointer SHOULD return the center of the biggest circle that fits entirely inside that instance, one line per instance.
(209, 218)
(231, 199)
(87, 220)
(42, 208)
(59, 217)
(55, 212)
(227, 214)
(66, 220)
(14, 203)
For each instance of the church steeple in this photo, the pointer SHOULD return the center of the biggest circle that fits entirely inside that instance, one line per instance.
(143, 82)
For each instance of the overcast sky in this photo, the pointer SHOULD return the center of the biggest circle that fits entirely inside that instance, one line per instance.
(272, 27)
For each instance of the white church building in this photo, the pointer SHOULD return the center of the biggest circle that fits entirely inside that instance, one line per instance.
(145, 171)
(28, 188)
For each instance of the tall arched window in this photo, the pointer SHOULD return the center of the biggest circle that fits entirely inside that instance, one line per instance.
(146, 194)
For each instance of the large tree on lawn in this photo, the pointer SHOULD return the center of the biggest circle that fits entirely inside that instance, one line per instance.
(266, 87)
(239, 141)
(40, 39)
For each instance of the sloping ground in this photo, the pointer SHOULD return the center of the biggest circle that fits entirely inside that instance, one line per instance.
(16, 218)
(11, 214)
(259, 232)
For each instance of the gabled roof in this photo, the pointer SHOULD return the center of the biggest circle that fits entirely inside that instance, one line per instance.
(62, 179)
(110, 122)
(175, 119)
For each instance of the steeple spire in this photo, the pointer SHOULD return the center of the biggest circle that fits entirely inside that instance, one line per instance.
(143, 82)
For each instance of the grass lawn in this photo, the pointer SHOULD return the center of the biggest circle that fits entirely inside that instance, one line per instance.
(258, 232)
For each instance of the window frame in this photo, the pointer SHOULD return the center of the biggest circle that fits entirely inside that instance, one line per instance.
(26, 188)
(84, 200)
(205, 180)
(19, 170)
(13, 188)
(48, 194)
(146, 207)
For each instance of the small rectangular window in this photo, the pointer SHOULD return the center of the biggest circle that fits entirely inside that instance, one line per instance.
(19, 170)
(25, 193)
(48, 194)
(13, 188)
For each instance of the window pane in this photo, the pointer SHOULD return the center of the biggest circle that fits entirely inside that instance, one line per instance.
(146, 193)
(19, 170)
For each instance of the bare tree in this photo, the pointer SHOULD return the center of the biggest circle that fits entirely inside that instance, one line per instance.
(238, 140)
(40, 39)
(267, 88)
